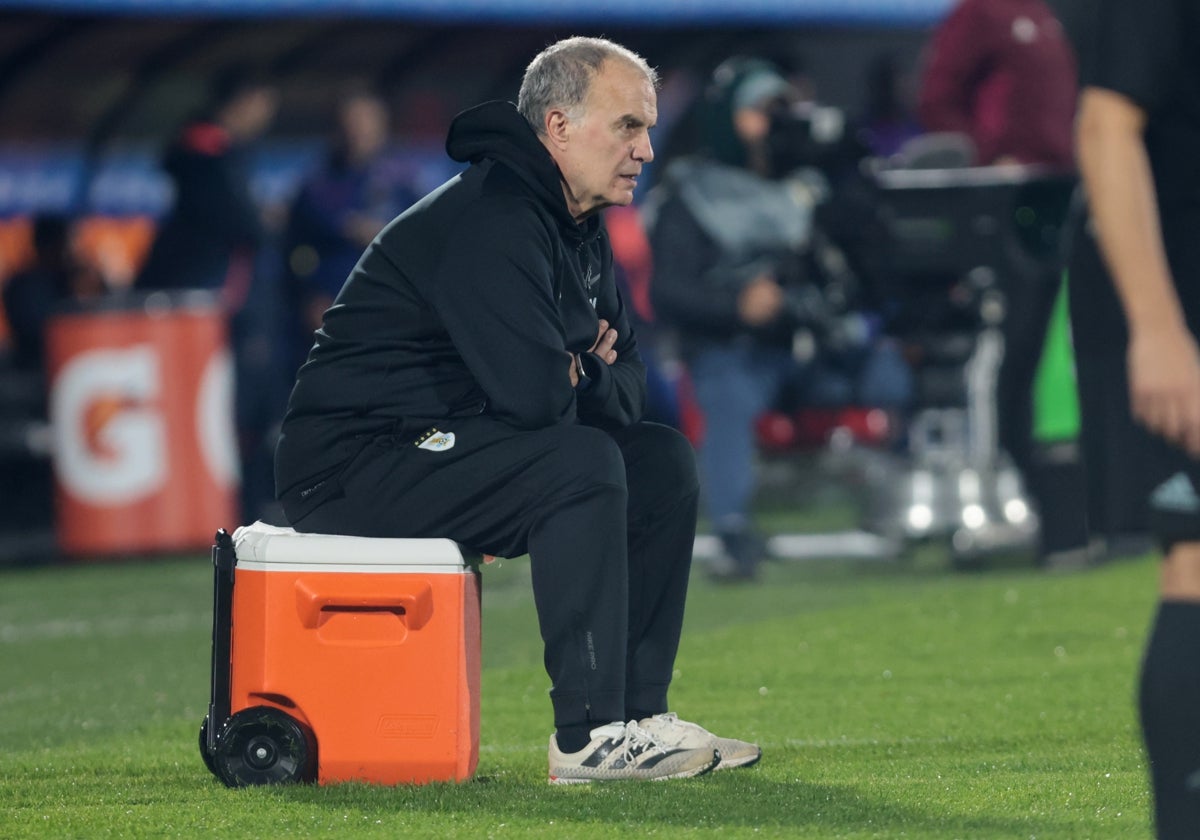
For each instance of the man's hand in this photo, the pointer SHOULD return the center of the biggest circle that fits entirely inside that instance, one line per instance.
(1163, 361)
(1164, 385)
(603, 347)
(760, 301)
(605, 339)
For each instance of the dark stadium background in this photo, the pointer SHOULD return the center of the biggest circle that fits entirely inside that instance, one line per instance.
(90, 90)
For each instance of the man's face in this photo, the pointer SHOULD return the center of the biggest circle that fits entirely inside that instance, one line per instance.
(601, 153)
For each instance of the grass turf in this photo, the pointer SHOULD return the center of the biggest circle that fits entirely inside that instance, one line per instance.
(891, 700)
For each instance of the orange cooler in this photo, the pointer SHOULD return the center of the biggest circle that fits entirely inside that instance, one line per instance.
(351, 659)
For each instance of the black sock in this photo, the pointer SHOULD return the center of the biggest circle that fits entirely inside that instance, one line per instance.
(572, 739)
(1170, 712)
(639, 714)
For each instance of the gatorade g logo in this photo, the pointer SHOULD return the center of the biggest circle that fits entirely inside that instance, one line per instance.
(110, 439)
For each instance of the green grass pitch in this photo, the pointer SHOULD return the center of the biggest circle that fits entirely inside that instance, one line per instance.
(899, 700)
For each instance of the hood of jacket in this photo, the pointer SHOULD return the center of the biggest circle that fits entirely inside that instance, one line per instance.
(497, 131)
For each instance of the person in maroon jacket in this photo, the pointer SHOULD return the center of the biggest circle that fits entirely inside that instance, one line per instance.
(1003, 73)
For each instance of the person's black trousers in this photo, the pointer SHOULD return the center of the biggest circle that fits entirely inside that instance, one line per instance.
(608, 519)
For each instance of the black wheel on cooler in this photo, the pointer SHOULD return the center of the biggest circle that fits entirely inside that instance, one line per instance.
(262, 745)
(204, 753)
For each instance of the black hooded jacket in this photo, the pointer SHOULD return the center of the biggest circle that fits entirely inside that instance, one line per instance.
(468, 303)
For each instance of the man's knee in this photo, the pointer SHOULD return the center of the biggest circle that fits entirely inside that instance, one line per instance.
(661, 454)
(586, 457)
(1175, 521)
(1180, 579)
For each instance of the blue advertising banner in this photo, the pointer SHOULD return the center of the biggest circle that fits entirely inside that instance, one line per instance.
(130, 181)
(635, 12)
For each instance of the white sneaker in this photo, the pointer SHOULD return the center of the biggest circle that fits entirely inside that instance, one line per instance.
(626, 751)
(669, 730)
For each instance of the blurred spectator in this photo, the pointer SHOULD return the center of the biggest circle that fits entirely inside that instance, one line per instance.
(209, 238)
(341, 207)
(32, 295)
(1003, 73)
(216, 238)
(733, 238)
(888, 119)
(633, 266)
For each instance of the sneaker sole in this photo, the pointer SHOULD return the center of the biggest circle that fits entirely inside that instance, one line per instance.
(733, 764)
(686, 774)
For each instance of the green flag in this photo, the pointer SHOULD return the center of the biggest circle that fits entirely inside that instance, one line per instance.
(1055, 396)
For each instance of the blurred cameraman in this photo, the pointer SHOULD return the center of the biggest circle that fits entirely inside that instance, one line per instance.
(754, 288)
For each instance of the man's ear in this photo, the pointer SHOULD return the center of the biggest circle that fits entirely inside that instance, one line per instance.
(558, 128)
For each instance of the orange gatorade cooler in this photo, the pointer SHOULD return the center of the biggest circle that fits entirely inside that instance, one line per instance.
(340, 659)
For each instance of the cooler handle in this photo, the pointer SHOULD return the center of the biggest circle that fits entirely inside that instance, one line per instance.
(415, 606)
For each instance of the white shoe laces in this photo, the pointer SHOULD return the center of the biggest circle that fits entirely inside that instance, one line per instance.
(673, 727)
(635, 736)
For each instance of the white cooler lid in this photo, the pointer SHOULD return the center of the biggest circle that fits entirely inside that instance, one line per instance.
(266, 547)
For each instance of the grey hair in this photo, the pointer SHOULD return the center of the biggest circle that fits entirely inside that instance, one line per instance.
(561, 75)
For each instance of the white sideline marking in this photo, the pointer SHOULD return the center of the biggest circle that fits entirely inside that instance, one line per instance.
(835, 544)
(112, 627)
(861, 742)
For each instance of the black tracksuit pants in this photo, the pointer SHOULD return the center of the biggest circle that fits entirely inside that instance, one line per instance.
(608, 519)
